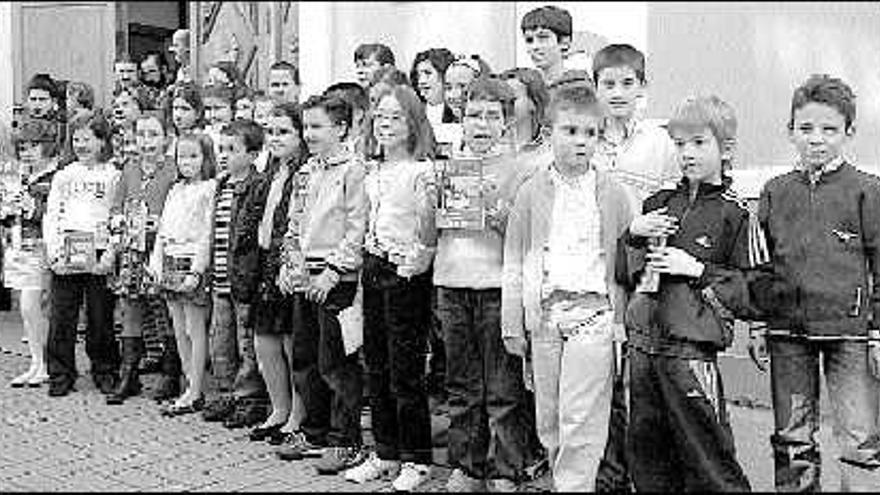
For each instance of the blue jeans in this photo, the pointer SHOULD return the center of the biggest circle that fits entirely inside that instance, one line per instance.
(795, 386)
(231, 344)
(485, 387)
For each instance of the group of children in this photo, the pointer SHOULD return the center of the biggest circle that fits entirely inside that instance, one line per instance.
(297, 259)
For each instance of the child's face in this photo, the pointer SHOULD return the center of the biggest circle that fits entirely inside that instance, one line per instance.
(232, 155)
(217, 111)
(150, 71)
(454, 88)
(40, 103)
(365, 70)
(321, 134)
(150, 137)
(189, 159)
(483, 125)
(262, 109)
(130, 148)
(183, 114)
(86, 145)
(244, 109)
(180, 48)
(818, 134)
(619, 89)
(125, 109)
(575, 136)
(30, 151)
(217, 77)
(281, 137)
(698, 154)
(282, 87)
(125, 73)
(543, 47)
(389, 124)
(429, 83)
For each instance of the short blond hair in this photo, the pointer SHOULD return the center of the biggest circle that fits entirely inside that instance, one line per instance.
(707, 111)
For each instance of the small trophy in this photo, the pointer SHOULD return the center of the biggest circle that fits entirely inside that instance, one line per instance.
(650, 282)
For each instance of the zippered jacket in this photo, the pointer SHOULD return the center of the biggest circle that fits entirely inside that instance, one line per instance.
(823, 241)
(716, 228)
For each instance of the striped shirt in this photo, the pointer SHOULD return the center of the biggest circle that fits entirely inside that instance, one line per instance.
(222, 219)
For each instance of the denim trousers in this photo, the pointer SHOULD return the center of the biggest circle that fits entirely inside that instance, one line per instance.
(397, 319)
(329, 381)
(101, 346)
(488, 431)
(231, 346)
(853, 393)
(679, 437)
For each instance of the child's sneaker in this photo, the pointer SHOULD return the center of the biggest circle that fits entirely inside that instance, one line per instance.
(502, 485)
(411, 475)
(299, 448)
(372, 469)
(460, 482)
(334, 460)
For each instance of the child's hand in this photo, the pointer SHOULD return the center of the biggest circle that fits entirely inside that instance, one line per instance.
(284, 281)
(654, 224)
(105, 264)
(189, 283)
(674, 261)
(321, 285)
(416, 261)
(515, 345)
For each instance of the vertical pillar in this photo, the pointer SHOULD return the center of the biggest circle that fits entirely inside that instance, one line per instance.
(316, 36)
(7, 64)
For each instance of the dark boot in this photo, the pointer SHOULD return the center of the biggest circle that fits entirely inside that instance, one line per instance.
(129, 383)
(169, 382)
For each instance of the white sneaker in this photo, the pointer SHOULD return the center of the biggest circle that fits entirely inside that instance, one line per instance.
(411, 476)
(38, 378)
(22, 379)
(460, 482)
(372, 469)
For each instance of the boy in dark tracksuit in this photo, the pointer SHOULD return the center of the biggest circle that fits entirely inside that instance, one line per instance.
(679, 437)
(823, 233)
(241, 397)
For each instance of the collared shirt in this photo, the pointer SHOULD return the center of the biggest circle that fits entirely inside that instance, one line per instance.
(435, 113)
(643, 161)
(575, 261)
(819, 172)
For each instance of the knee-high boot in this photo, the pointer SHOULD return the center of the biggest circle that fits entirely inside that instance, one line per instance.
(129, 383)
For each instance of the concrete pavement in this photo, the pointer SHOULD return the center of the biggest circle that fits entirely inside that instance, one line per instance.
(78, 443)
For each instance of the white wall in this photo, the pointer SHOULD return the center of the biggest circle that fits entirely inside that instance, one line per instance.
(7, 66)
(754, 54)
